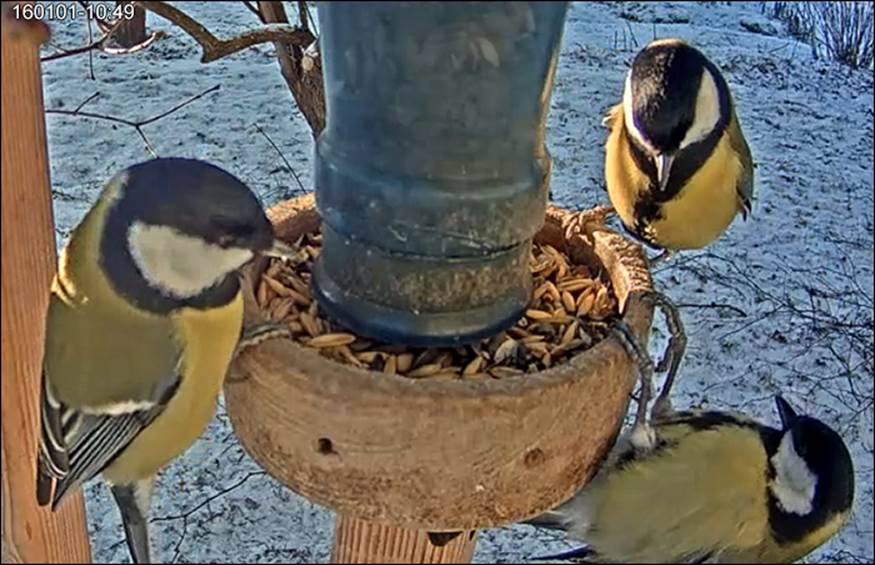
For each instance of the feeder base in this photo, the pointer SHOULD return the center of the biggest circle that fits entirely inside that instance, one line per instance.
(361, 541)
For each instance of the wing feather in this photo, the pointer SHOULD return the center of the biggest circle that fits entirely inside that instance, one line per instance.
(73, 453)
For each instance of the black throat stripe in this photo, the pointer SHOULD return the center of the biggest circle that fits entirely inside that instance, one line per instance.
(686, 163)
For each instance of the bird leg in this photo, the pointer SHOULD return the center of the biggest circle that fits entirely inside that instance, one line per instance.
(644, 365)
(133, 502)
(674, 353)
(670, 361)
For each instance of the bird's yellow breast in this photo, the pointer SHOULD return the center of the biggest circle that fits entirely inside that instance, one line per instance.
(705, 206)
(697, 215)
(208, 339)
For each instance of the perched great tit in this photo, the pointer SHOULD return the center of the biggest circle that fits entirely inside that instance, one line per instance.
(712, 487)
(144, 315)
(677, 166)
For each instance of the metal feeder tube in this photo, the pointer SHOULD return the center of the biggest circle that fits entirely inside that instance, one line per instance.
(432, 175)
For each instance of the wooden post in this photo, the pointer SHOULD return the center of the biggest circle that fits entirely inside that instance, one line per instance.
(360, 541)
(30, 534)
(133, 31)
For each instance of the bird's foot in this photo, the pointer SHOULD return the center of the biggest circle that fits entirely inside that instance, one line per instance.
(259, 333)
(669, 363)
(663, 257)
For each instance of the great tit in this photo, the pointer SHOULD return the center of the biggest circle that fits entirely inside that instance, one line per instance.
(677, 166)
(712, 487)
(144, 315)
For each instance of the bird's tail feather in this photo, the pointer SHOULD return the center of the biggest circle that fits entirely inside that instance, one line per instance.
(133, 503)
(551, 520)
(580, 554)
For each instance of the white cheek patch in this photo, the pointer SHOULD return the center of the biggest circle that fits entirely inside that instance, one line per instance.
(629, 119)
(181, 265)
(794, 484)
(707, 111)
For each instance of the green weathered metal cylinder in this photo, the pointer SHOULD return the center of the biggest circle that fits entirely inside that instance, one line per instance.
(432, 174)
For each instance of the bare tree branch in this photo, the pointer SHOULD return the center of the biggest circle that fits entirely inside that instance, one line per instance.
(137, 125)
(302, 72)
(215, 48)
(134, 48)
(101, 45)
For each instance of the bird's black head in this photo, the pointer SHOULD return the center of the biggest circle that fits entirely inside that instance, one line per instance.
(198, 199)
(813, 480)
(674, 95)
(178, 230)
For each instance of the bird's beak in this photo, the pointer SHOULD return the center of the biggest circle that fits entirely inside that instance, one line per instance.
(663, 169)
(788, 415)
(283, 250)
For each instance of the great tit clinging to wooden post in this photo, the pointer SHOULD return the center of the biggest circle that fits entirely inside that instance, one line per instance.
(712, 487)
(144, 316)
(677, 166)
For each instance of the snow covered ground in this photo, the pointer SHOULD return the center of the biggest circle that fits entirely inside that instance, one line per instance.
(783, 302)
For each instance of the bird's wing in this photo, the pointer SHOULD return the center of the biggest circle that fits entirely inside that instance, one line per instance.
(698, 492)
(75, 446)
(703, 492)
(745, 179)
(129, 371)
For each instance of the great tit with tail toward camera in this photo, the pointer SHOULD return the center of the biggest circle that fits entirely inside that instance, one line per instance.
(711, 487)
(678, 169)
(144, 316)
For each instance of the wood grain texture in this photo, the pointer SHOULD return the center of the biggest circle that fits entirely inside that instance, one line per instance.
(360, 541)
(30, 534)
(436, 455)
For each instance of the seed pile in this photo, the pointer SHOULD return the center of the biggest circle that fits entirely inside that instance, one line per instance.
(566, 316)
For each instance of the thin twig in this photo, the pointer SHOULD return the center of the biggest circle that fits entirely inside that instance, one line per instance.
(254, 10)
(632, 33)
(85, 48)
(302, 13)
(91, 51)
(86, 101)
(180, 105)
(215, 48)
(101, 45)
(209, 499)
(104, 25)
(137, 125)
(735, 309)
(283, 157)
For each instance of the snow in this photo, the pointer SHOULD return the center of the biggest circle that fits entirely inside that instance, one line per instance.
(793, 280)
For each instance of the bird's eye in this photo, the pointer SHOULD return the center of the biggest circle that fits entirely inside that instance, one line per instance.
(230, 233)
(226, 240)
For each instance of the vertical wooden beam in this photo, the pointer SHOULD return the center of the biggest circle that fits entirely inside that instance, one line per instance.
(360, 541)
(30, 534)
(133, 31)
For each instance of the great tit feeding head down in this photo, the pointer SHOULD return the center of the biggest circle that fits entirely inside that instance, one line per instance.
(144, 315)
(713, 487)
(677, 166)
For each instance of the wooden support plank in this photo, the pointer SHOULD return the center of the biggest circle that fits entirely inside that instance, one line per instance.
(30, 534)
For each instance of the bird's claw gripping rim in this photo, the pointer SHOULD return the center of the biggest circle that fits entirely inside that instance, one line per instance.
(669, 362)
